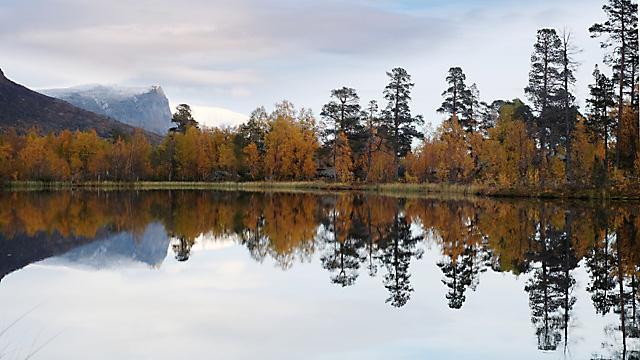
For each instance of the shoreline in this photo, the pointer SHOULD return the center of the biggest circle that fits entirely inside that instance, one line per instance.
(387, 188)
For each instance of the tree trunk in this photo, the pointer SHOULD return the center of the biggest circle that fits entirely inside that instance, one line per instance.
(623, 49)
(396, 143)
(623, 325)
(606, 147)
(567, 120)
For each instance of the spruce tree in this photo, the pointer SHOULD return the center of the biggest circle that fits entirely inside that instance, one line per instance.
(341, 114)
(372, 121)
(183, 119)
(457, 98)
(471, 116)
(545, 84)
(398, 125)
(255, 130)
(566, 98)
(599, 123)
(620, 31)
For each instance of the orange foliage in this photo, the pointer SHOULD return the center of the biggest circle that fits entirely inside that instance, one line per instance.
(290, 148)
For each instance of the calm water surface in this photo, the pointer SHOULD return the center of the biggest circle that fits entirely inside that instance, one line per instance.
(239, 275)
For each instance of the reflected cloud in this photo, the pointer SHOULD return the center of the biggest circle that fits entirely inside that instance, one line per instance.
(354, 238)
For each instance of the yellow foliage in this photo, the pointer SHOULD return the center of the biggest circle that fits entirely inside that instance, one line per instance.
(252, 158)
(508, 153)
(343, 165)
(583, 154)
(445, 158)
(455, 163)
(383, 167)
(290, 149)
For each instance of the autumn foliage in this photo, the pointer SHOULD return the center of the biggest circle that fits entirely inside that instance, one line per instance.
(507, 156)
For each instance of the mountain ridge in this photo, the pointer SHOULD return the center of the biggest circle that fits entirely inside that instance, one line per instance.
(146, 107)
(22, 109)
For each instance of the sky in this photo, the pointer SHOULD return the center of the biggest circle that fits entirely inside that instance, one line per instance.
(225, 58)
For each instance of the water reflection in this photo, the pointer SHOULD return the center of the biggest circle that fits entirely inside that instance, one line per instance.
(354, 235)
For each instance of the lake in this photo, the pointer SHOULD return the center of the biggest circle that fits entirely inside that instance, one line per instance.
(244, 275)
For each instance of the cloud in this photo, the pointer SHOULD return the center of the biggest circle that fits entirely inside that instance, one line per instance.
(190, 76)
(214, 32)
(245, 53)
(215, 116)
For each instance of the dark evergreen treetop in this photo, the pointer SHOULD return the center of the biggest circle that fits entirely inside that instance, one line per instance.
(545, 85)
(183, 119)
(472, 109)
(546, 68)
(601, 91)
(620, 29)
(456, 94)
(371, 114)
(342, 112)
(488, 115)
(621, 32)
(255, 130)
(342, 115)
(398, 125)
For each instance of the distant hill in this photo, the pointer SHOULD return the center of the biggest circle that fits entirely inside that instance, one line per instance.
(149, 248)
(144, 107)
(22, 109)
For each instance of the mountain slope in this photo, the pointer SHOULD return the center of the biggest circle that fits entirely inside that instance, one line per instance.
(22, 109)
(144, 107)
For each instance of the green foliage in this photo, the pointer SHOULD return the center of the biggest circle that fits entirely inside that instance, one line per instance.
(183, 119)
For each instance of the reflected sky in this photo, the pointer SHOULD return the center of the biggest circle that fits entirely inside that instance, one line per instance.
(107, 288)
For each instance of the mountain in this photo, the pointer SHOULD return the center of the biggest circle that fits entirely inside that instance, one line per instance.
(149, 248)
(22, 109)
(22, 249)
(107, 249)
(144, 107)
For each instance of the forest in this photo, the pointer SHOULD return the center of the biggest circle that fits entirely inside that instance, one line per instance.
(545, 142)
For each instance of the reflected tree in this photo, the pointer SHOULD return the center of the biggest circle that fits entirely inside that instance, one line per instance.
(464, 252)
(341, 257)
(599, 261)
(181, 248)
(551, 286)
(398, 247)
(462, 272)
(252, 235)
(614, 265)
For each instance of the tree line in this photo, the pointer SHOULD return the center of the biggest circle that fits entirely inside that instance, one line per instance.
(547, 143)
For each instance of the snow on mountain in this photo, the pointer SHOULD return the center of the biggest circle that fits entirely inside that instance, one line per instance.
(146, 107)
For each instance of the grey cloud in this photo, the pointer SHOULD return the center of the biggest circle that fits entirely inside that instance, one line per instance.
(242, 53)
(218, 50)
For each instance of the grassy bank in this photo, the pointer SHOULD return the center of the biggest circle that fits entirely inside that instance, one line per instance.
(632, 193)
(249, 186)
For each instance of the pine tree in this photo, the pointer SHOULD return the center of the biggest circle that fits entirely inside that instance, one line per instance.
(488, 115)
(255, 129)
(183, 119)
(373, 122)
(566, 98)
(470, 117)
(599, 123)
(545, 82)
(621, 31)
(341, 115)
(398, 125)
(457, 98)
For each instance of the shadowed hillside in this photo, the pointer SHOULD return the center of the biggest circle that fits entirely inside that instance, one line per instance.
(22, 108)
